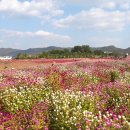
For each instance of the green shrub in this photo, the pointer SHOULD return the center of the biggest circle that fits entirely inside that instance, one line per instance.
(114, 75)
(20, 98)
(66, 109)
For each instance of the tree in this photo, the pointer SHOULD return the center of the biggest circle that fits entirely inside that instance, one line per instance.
(86, 48)
(22, 56)
(82, 49)
(76, 49)
(98, 52)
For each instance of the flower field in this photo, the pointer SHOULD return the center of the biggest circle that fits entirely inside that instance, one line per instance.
(71, 94)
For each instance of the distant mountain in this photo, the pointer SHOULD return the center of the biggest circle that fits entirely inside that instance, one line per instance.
(14, 52)
(112, 49)
(7, 51)
(109, 49)
(40, 50)
(127, 50)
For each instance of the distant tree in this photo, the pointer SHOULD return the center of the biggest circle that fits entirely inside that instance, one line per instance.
(82, 49)
(76, 49)
(116, 55)
(76, 52)
(18, 56)
(86, 48)
(22, 56)
(98, 52)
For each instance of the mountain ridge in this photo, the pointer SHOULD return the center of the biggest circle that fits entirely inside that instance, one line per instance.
(14, 52)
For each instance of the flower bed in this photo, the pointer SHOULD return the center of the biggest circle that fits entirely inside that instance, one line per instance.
(76, 96)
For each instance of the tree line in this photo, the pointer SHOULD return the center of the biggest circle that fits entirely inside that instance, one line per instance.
(83, 51)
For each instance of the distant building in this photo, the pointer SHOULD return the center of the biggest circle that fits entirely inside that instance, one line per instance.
(106, 52)
(6, 57)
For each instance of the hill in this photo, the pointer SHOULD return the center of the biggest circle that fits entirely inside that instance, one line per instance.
(112, 49)
(14, 52)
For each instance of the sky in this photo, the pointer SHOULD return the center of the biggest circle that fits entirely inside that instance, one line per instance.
(64, 23)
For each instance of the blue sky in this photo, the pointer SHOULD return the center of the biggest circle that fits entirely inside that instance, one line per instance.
(65, 23)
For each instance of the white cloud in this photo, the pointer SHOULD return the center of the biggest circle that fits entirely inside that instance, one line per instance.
(38, 8)
(40, 38)
(106, 4)
(125, 6)
(109, 5)
(82, 1)
(96, 18)
(39, 33)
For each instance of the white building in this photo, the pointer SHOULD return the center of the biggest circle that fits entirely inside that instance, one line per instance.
(5, 57)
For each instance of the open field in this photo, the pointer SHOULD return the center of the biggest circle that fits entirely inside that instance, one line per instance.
(19, 64)
(65, 94)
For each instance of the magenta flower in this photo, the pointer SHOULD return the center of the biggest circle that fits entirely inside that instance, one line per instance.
(118, 126)
(108, 123)
(46, 128)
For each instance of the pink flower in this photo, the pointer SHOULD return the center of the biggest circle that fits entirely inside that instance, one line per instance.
(46, 128)
(87, 121)
(118, 126)
(108, 123)
(21, 128)
(7, 128)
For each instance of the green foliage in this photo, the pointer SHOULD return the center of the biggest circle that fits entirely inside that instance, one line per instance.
(114, 75)
(98, 52)
(76, 52)
(55, 54)
(20, 98)
(23, 56)
(82, 49)
(114, 97)
(67, 109)
(68, 97)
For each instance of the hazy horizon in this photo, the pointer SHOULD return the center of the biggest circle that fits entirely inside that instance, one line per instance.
(42, 23)
(61, 47)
